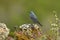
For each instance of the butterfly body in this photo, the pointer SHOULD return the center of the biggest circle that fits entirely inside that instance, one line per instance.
(34, 18)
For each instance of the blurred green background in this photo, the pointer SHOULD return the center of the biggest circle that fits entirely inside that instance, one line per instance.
(16, 12)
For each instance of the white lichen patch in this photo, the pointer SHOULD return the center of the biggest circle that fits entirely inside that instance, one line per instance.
(4, 31)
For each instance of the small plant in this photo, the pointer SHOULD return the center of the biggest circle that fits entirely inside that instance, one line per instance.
(54, 30)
